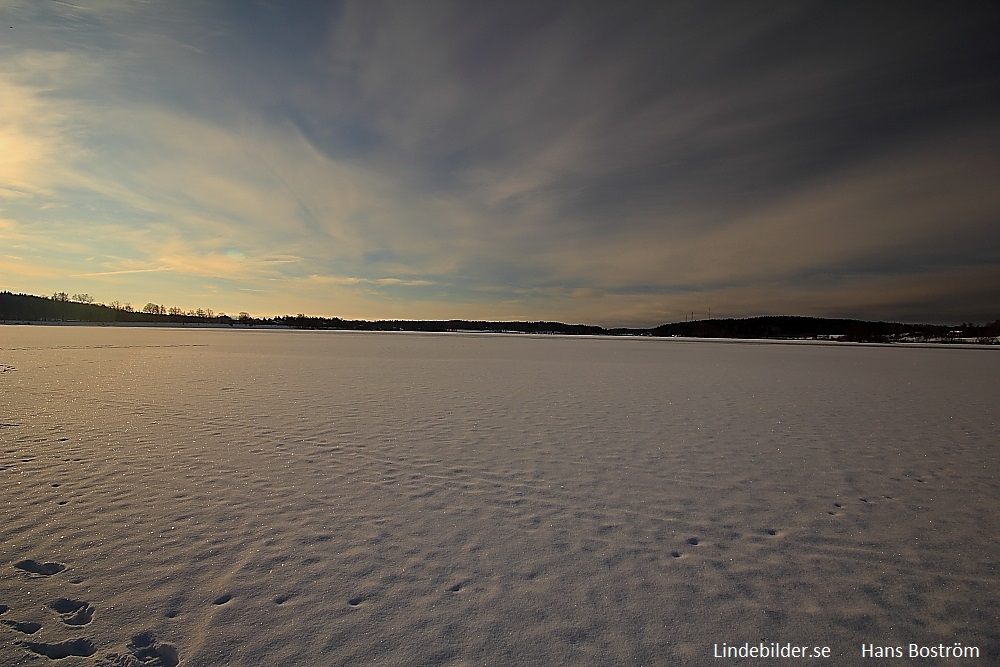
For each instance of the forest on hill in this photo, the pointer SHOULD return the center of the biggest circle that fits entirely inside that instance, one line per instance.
(786, 326)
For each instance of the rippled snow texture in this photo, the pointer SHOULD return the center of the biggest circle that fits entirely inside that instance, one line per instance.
(209, 497)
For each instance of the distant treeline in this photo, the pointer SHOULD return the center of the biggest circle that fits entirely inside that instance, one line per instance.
(80, 308)
(62, 307)
(304, 322)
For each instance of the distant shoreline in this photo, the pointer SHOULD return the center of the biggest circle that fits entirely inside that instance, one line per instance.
(960, 344)
(61, 310)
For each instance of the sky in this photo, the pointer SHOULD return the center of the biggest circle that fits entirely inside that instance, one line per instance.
(611, 163)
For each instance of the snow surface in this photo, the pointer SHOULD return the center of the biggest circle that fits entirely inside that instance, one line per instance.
(321, 498)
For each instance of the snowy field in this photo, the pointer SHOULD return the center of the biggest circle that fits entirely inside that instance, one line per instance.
(214, 497)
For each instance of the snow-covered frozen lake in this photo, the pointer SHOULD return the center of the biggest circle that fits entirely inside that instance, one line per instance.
(216, 497)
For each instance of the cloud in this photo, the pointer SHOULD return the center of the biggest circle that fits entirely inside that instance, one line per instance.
(117, 273)
(516, 158)
(683, 158)
(930, 204)
(354, 280)
(35, 134)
